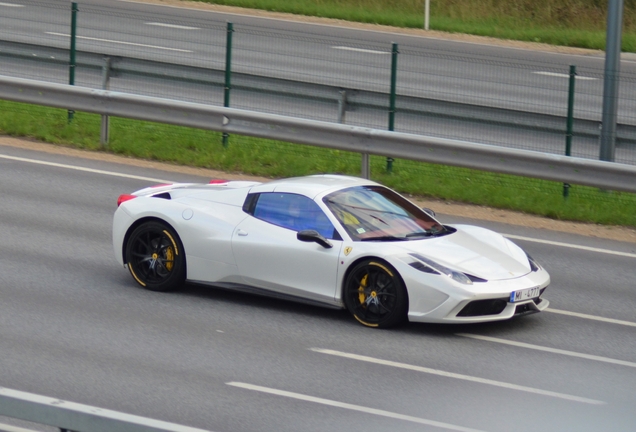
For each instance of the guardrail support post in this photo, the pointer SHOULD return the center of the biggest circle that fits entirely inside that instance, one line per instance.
(228, 74)
(103, 139)
(394, 56)
(570, 123)
(342, 106)
(71, 66)
(427, 13)
(365, 170)
(611, 79)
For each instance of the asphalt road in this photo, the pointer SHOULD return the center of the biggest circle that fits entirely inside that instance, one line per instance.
(73, 325)
(516, 80)
(350, 58)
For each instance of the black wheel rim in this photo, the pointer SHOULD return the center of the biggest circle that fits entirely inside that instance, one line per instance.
(372, 294)
(152, 256)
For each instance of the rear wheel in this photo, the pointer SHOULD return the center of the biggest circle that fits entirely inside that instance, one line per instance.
(375, 294)
(155, 257)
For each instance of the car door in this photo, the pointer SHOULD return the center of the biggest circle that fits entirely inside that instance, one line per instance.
(269, 255)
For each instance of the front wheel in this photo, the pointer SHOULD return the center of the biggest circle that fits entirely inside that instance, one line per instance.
(375, 294)
(155, 257)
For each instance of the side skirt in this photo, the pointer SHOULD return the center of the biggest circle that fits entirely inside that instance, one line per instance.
(271, 294)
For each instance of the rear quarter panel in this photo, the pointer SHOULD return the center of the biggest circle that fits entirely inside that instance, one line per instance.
(204, 228)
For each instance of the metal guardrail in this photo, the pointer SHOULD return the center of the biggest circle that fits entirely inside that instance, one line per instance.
(71, 416)
(606, 175)
(349, 99)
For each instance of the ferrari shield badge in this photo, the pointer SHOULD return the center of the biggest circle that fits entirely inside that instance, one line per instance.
(348, 250)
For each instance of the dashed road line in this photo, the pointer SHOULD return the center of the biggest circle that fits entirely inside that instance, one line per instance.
(174, 26)
(121, 42)
(90, 170)
(548, 349)
(361, 50)
(569, 245)
(591, 317)
(344, 405)
(446, 374)
(563, 75)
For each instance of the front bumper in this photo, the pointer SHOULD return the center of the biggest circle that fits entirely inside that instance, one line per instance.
(483, 303)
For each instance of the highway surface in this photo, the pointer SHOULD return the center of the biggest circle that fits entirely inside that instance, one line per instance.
(448, 70)
(74, 325)
(511, 79)
(350, 58)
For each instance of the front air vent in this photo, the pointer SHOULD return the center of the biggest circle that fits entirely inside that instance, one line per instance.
(483, 307)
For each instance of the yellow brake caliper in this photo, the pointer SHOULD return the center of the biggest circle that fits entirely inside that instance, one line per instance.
(169, 258)
(361, 295)
(170, 252)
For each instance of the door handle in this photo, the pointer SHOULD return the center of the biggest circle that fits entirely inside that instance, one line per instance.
(241, 233)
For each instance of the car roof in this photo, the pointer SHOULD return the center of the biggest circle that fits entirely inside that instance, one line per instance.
(311, 186)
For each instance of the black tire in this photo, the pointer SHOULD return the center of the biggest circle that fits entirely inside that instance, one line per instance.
(155, 257)
(375, 294)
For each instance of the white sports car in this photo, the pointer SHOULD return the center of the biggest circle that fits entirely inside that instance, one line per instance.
(334, 240)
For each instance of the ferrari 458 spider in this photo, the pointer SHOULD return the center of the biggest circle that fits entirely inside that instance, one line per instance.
(334, 240)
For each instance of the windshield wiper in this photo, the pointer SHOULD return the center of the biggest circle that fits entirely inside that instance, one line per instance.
(384, 238)
(420, 234)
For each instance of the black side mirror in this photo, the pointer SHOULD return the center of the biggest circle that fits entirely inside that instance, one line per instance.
(428, 211)
(313, 236)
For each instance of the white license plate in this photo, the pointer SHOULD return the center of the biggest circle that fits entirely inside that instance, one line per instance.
(524, 294)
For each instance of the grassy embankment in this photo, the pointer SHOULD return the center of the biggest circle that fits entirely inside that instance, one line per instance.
(576, 23)
(276, 159)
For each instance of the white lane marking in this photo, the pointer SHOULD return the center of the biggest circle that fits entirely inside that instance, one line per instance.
(512, 236)
(172, 26)
(563, 75)
(547, 349)
(591, 317)
(11, 5)
(121, 42)
(571, 246)
(362, 50)
(593, 56)
(90, 170)
(442, 373)
(352, 407)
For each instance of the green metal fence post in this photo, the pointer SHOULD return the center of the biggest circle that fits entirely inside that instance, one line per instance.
(71, 66)
(394, 57)
(106, 70)
(228, 74)
(570, 124)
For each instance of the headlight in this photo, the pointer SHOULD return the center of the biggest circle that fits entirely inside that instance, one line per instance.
(429, 266)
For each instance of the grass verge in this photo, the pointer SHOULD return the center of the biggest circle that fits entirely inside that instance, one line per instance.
(578, 23)
(192, 147)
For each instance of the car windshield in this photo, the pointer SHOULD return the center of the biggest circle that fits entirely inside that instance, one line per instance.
(375, 213)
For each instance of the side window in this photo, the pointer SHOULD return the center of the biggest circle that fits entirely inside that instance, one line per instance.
(295, 212)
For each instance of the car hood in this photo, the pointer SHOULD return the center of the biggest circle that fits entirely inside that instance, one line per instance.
(475, 251)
